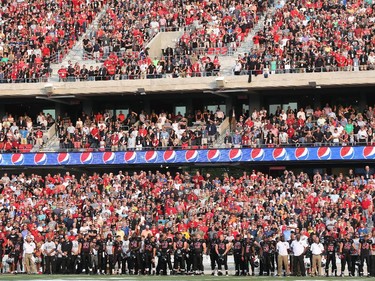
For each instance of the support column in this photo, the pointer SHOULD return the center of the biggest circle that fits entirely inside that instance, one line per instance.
(317, 102)
(87, 107)
(2, 110)
(362, 102)
(59, 110)
(254, 102)
(229, 105)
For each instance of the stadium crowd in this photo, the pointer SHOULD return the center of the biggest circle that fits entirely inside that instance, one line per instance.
(329, 125)
(123, 67)
(34, 34)
(133, 223)
(313, 36)
(326, 126)
(210, 29)
(139, 131)
(22, 133)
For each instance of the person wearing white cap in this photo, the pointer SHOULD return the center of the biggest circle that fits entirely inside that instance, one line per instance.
(29, 249)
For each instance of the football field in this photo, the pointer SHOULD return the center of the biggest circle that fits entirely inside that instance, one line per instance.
(165, 278)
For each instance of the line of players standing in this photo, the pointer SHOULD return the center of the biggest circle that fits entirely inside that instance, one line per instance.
(135, 255)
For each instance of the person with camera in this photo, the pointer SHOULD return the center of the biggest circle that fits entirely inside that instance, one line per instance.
(222, 248)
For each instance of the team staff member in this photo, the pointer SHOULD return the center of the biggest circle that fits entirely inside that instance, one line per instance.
(282, 248)
(49, 252)
(299, 249)
(29, 248)
(317, 250)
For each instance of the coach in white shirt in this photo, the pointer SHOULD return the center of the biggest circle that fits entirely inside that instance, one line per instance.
(317, 250)
(282, 248)
(299, 249)
(29, 249)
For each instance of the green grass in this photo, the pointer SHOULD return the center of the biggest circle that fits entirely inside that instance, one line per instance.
(162, 278)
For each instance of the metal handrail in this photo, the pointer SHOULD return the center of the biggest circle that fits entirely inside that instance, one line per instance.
(215, 72)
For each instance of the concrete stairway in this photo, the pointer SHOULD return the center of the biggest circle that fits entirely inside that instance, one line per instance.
(76, 53)
(228, 62)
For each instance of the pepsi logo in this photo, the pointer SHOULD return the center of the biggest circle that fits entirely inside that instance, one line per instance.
(324, 153)
(279, 154)
(130, 157)
(235, 154)
(347, 152)
(213, 155)
(17, 159)
(257, 154)
(369, 152)
(301, 153)
(63, 158)
(109, 157)
(86, 158)
(151, 156)
(40, 159)
(1, 158)
(169, 156)
(191, 155)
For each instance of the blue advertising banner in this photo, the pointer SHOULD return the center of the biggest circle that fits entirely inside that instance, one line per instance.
(190, 156)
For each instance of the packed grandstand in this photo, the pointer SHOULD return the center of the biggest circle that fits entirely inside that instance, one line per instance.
(124, 212)
(314, 36)
(321, 126)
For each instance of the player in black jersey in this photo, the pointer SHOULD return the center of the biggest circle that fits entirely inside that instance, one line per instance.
(163, 252)
(330, 247)
(345, 246)
(354, 254)
(101, 247)
(265, 255)
(179, 246)
(222, 249)
(149, 253)
(189, 256)
(85, 253)
(237, 254)
(117, 253)
(365, 250)
(135, 258)
(213, 254)
(248, 253)
(18, 250)
(199, 251)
